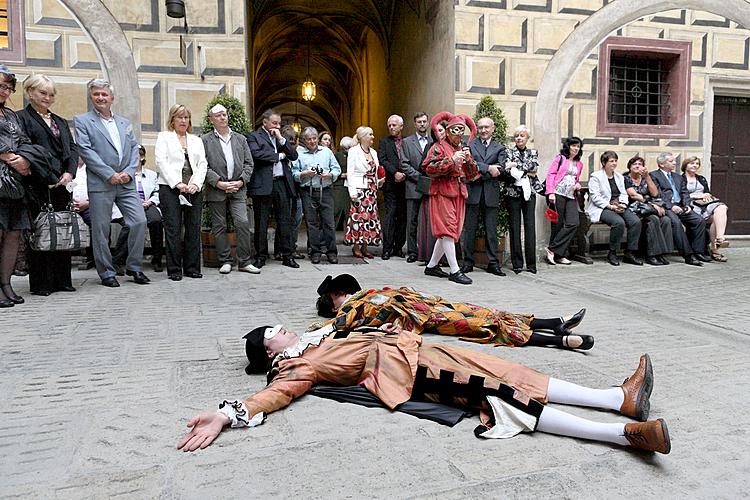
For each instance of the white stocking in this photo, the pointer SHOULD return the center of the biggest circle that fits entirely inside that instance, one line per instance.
(560, 391)
(558, 422)
(437, 254)
(449, 247)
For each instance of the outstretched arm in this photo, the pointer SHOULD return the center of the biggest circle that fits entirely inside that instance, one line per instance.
(204, 429)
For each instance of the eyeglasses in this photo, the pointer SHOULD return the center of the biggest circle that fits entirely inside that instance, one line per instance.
(7, 88)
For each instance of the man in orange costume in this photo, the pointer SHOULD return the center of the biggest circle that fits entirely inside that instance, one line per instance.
(395, 366)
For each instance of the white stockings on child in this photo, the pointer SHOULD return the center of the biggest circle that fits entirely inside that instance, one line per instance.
(560, 391)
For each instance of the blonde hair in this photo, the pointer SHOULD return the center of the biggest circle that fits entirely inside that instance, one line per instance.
(175, 110)
(361, 133)
(39, 82)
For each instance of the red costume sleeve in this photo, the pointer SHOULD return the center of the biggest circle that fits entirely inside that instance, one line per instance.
(439, 162)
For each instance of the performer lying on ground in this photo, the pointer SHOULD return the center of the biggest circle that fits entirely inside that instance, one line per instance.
(341, 299)
(396, 366)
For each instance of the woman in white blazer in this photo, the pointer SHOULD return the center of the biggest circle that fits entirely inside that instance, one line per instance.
(181, 160)
(608, 203)
(363, 225)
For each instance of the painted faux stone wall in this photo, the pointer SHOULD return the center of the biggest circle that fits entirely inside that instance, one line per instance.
(503, 47)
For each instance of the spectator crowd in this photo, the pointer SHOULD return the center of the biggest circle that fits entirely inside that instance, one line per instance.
(440, 193)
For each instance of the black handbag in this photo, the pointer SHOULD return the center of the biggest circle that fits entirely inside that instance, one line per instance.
(11, 187)
(642, 209)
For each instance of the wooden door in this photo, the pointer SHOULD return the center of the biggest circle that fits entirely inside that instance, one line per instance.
(730, 160)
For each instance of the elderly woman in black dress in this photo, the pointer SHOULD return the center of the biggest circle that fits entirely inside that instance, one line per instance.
(49, 271)
(645, 202)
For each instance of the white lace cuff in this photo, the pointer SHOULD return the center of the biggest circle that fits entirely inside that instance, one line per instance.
(238, 414)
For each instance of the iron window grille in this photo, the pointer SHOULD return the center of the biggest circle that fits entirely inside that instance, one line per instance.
(639, 91)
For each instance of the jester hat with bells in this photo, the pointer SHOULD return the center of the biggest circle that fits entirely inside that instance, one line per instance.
(453, 120)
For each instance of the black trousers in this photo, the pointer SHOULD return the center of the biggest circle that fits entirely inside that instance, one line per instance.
(658, 233)
(618, 223)
(50, 271)
(280, 202)
(155, 232)
(567, 214)
(412, 223)
(692, 238)
(519, 208)
(318, 208)
(471, 222)
(394, 219)
(183, 255)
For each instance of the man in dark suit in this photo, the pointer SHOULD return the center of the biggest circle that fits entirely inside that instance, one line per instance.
(677, 205)
(390, 154)
(413, 150)
(107, 144)
(489, 156)
(230, 167)
(271, 187)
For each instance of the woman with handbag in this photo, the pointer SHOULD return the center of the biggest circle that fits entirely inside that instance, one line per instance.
(608, 203)
(713, 211)
(181, 160)
(49, 271)
(522, 183)
(13, 216)
(363, 225)
(562, 181)
(643, 194)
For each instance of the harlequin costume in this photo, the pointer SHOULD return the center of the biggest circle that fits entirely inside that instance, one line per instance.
(421, 312)
(448, 188)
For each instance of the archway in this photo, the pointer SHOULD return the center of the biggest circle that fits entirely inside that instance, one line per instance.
(114, 53)
(364, 56)
(587, 37)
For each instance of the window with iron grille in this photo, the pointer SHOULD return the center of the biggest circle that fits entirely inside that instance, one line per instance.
(4, 42)
(644, 88)
(638, 91)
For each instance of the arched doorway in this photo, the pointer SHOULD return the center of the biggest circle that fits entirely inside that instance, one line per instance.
(368, 59)
(582, 41)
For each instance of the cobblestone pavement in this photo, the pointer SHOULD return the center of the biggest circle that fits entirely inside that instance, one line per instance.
(96, 388)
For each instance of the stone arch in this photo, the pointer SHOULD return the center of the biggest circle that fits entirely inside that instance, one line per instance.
(577, 47)
(114, 53)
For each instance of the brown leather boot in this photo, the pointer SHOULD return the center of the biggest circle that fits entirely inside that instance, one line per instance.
(637, 389)
(650, 436)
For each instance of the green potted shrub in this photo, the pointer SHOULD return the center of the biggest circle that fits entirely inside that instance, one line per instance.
(487, 108)
(239, 124)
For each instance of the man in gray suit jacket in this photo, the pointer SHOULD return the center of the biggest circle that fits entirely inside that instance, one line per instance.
(108, 146)
(230, 166)
(490, 156)
(413, 151)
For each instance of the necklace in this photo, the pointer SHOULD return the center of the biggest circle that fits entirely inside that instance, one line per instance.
(363, 150)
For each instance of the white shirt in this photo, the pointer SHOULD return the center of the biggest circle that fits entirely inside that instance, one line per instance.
(226, 148)
(114, 133)
(422, 141)
(278, 169)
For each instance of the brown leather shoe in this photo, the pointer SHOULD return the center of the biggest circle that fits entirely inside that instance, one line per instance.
(637, 389)
(650, 436)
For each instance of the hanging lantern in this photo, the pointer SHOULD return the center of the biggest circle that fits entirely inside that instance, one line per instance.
(308, 89)
(175, 8)
(296, 125)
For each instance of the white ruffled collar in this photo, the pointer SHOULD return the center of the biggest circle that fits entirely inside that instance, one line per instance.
(307, 339)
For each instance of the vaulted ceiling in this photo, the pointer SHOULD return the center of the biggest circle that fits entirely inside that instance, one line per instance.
(332, 32)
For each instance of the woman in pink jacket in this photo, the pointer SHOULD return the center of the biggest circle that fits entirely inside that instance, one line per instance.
(563, 177)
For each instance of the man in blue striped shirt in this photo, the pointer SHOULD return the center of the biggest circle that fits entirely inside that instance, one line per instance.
(316, 169)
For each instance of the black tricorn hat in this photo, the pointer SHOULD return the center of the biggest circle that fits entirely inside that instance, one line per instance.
(255, 351)
(344, 283)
